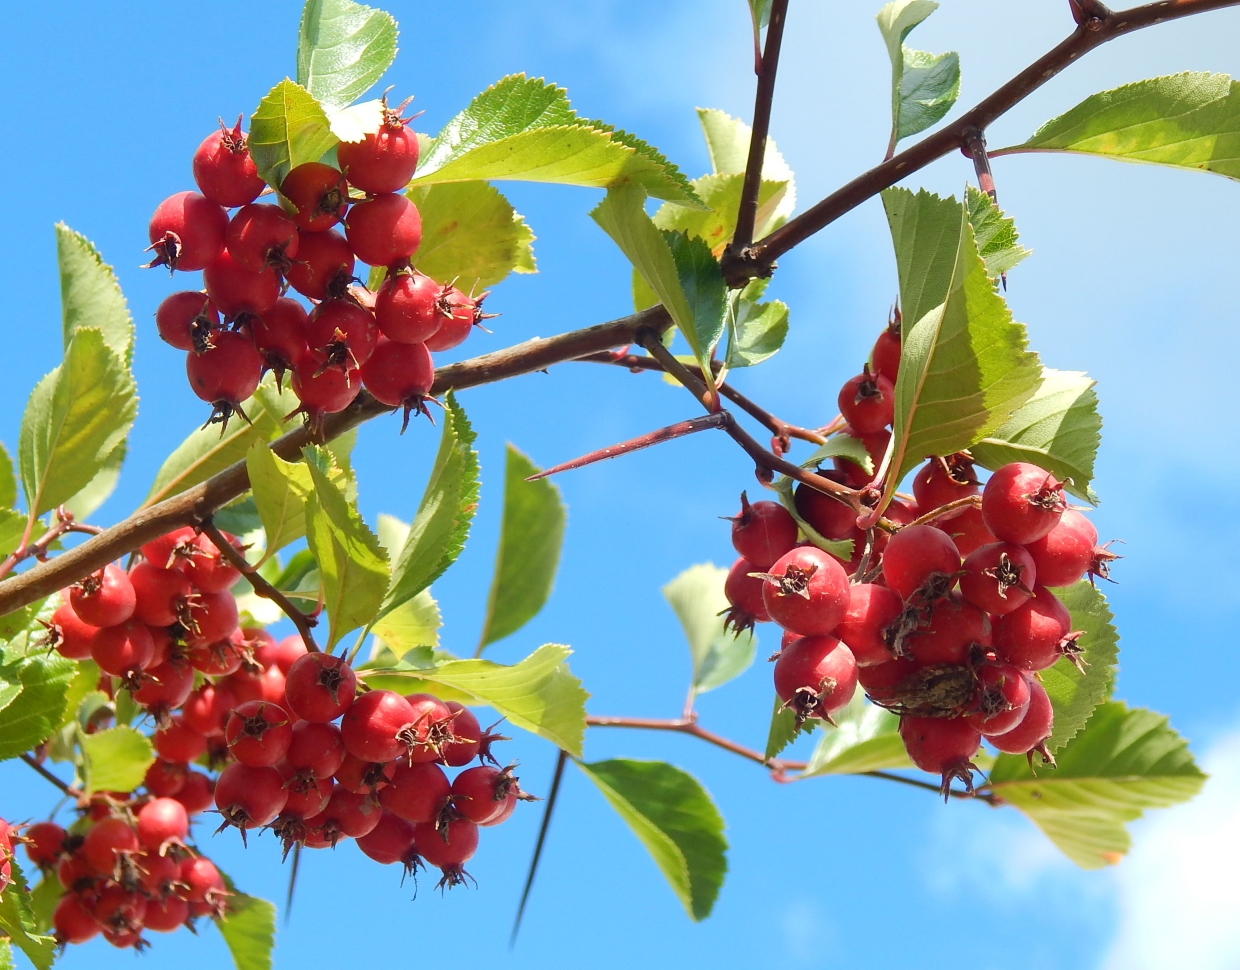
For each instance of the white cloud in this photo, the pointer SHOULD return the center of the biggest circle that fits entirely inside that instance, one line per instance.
(1178, 890)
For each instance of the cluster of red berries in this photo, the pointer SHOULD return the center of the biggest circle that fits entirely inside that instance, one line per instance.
(945, 624)
(262, 713)
(246, 322)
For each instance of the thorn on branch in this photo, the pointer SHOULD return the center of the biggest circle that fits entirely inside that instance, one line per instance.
(1090, 14)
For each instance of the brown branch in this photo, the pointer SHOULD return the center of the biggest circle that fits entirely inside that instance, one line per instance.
(302, 621)
(200, 502)
(680, 429)
(38, 550)
(1099, 26)
(63, 786)
(747, 213)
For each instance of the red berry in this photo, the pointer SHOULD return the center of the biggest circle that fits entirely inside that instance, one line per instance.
(165, 914)
(430, 728)
(1033, 636)
(373, 726)
(943, 480)
(384, 230)
(943, 746)
(168, 550)
(315, 195)
(235, 290)
(1002, 699)
(202, 880)
(867, 402)
(206, 709)
(186, 232)
(1022, 502)
(998, 578)
(806, 591)
(389, 841)
(162, 821)
(875, 443)
(951, 633)
(447, 847)
(399, 375)
(885, 357)
(106, 843)
(1065, 554)
(164, 779)
(248, 796)
(363, 777)
(383, 161)
(1034, 728)
(343, 332)
(408, 307)
(104, 598)
(208, 569)
(481, 794)
(921, 561)
(417, 792)
(164, 687)
(459, 314)
(176, 742)
(44, 843)
(826, 515)
(815, 676)
(744, 594)
(186, 319)
(347, 813)
(466, 736)
(198, 792)
(315, 749)
(319, 687)
(763, 532)
(967, 529)
(224, 170)
(227, 373)
(864, 627)
(258, 733)
(283, 653)
(324, 265)
(122, 649)
(73, 922)
(306, 797)
(261, 237)
(280, 335)
(71, 636)
(212, 618)
(159, 593)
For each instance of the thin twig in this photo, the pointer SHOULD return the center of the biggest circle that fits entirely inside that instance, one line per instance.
(975, 147)
(657, 437)
(38, 550)
(303, 621)
(747, 213)
(63, 786)
(552, 798)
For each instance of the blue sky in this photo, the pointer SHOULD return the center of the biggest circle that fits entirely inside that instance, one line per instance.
(1129, 281)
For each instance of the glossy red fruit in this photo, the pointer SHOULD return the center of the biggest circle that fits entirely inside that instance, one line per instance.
(176, 742)
(75, 873)
(262, 236)
(806, 591)
(164, 687)
(159, 593)
(324, 265)
(460, 313)
(1034, 728)
(198, 792)
(943, 480)
(186, 232)
(744, 594)
(319, 687)
(481, 794)
(967, 529)
(258, 733)
(408, 307)
(1002, 699)
(882, 682)
(315, 749)
(70, 635)
(104, 598)
(107, 842)
(220, 658)
(399, 375)
(73, 921)
(417, 792)
(921, 561)
(235, 290)
(168, 550)
(866, 626)
(45, 843)
(852, 474)
(998, 578)
(389, 841)
(430, 728)
(212, 618)
(448, 847)
(885, 357)
(384, 230)
(383, 161)
(185, 319)
(224, 170)
(942, 745)
(280, 335)
(165, 914)
(951, 634)
(123, 649)
(315, 195)
(161, 822)
(867, 402)
(343, 332)
(248, 796)
(374, 724)
(306, 797)
(364, 777)
(829, 517)
(279, 653)
(1033, 636)
(1022, 502)
(1064, 554)
(815, 676)
(348, 813)
(164, 779)
(763, 532)
(466, 740)
(208, 569)
(207, 708)
(202, 880)
(324, 389)
(228, 372)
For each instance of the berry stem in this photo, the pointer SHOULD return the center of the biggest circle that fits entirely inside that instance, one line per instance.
(63, 786)
(552, 798)
(302, 621)
(678, 430)
(975, 147)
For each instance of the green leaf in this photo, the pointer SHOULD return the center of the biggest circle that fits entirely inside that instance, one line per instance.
(415, 623)
(441, 525)
(994, 233)
(8, 480)
(353, 567)
(12, 528)
(923, 86)
(722, 195)
(470, 233)
(727, 143)
(289, 127)
(925, 231)
(1058, 428)
(842, 549)
(6, 954)
(1075, 695)
(756, 330)
(115, 759)
(97, 491)
(524, 128)
(674, 818)
(964, 367)
(39, 709)
(17, 921)
(343, 48)
(841, 446)
(865, 738)
(43, 900)
(249, 930)
(281, 489)
(696, 596)
(1124, 762)
(531, 534)
(90, 295)
(206, 451)
(784, 729)
(76, 418)
(1186, 120)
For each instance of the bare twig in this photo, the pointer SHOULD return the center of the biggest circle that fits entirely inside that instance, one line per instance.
(63, 786)
(552, 797)
(657, 437)
(303, 621)
(64, 524)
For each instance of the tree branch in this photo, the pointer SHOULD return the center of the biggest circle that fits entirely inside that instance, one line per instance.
(64, 525)
(63, 786)
(200, 502)
(1098, 26)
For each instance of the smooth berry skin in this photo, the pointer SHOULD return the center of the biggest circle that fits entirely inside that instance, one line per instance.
(809, 593)
(1003, 695)
(219, 658)
(225, 171)
(280, 653)
(315, 195)
(389, 841)
(1022, 502)
(72, 921)
(763, 532)
(164, 687)
(466, 737)
(280, 333)
(207, 568)
(105, 598)
(207, 708)
(168, 550)
(124, 649)
(828, 516)
(816, 676)
(1013, 576)
(950, 634)
(258, 733)
(179, 314)
(348, 813)
(921, 560)
(399, 375)
(261, 236)
(934, 486)
(165, 914)
(482, 793)
(73, 634)
(197, 794)
(458, 320)
(885, 357)
(871, 609)
(162, 821)
(164, 779)
(343, 321)
(1064, 554)
(942, 745)
(383, 161)
(867, 402)
(744, 592)
(371, 726)
(178, 743)
(319, 687)
(235, 290)
(323, 389)
(448, 850)
(407, 307)
(159, 593)
(417, 791)
(1031, 637)
(250, 797)
(45, 843)
(363, 777)
(213, 618)
(227, 373)
(106, 840)
(1034, 728)
(201, 879)
(967, 529)
(315, 748)
(187, 232)
(384, 230)
(323, 267)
